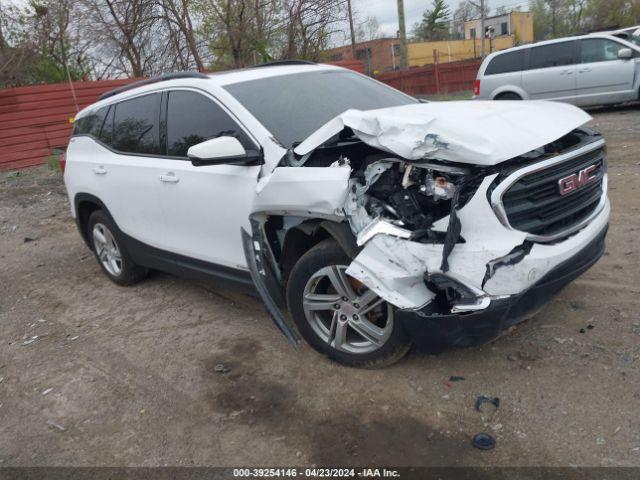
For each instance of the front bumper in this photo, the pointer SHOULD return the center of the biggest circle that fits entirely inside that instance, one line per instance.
(427, 327)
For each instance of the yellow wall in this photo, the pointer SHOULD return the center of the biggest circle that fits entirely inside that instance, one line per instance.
(452, 51)
(522, 26)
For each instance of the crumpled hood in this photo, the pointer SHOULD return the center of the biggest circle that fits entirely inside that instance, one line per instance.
(474, 132)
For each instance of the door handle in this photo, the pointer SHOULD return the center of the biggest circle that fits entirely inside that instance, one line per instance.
(99, 170)
(566, 72)
(584, 70)
(169, 177)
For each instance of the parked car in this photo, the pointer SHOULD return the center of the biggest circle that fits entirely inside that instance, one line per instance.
(373, 220)
(595, 69)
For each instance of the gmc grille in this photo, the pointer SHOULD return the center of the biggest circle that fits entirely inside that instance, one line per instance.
(533, 203)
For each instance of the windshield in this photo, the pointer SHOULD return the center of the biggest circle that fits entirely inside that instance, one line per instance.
(292, 107)
(632, 37)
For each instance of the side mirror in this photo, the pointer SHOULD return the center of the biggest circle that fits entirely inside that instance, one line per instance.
(221, 151)
(625, 53)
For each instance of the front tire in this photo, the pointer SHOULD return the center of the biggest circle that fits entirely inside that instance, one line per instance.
(340, 317)
(108, 247)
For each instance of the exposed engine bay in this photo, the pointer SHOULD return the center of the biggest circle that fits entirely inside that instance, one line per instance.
(426, 230)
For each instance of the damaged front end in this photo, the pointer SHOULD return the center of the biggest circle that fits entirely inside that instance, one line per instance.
(463, 238)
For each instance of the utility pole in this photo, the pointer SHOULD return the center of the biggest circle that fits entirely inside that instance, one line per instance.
(402, 29)
(482, 28)
(481, 7)
(353, 34)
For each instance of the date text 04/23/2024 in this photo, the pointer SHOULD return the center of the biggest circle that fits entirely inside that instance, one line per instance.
(315, 473)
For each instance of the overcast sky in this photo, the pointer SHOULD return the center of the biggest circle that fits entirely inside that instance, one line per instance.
(386, 11)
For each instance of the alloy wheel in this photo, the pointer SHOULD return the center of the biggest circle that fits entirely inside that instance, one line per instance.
(344, 313)
(107, 249)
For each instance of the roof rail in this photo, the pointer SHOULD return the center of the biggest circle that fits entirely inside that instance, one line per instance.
(147, 81)
(284, 62)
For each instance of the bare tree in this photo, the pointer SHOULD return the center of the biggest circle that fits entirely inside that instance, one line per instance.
(126, 35)
(178, 15)
(308, 26)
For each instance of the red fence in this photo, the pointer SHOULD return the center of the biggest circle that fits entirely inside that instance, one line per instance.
(432, 79)
(35, 120)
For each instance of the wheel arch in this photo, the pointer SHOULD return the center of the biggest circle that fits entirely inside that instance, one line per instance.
(509, 89)
(299, 239)
(85, 204)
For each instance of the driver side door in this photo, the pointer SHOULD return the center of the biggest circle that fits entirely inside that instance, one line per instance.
(204, 207)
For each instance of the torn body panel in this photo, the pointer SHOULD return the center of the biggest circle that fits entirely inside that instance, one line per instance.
(477, 133)
(317, 192)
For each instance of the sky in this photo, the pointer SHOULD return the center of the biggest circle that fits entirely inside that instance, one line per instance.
(386, 11)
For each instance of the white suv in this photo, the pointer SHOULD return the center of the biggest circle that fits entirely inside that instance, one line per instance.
(374, 220)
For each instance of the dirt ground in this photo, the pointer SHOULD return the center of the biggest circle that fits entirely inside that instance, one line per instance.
(125, 376)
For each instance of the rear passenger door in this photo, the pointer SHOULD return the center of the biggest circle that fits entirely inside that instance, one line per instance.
(602, 77)
(125, 170)
(551, 72)
(205, 206)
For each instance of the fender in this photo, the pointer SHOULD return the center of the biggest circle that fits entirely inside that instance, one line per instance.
(87, 197)
(510, 89)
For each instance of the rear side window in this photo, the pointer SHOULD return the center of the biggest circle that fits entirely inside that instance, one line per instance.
(506, 62)
(106, 134)
(554, 55)
(193, 118)
(599, 50)
(90, 124)
(136, 125)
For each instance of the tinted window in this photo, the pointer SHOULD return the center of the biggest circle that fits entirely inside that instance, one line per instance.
(293, 106)
(599, 50)
(192, 118)
(106, 133)
(506, 62)
(90, 124)
(554, 55)
(135, 127)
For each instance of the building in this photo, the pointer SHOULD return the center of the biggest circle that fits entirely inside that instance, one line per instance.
(518, 25)
(447, 51)
(379, 55)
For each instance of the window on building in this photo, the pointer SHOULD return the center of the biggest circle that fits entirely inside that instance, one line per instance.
(136, 125)
(192, 118)
(363, 54)
(552, 55)
(472, 33)
(504, 28)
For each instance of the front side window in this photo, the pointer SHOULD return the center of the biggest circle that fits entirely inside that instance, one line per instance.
(599, 50)
(136, 125)
(553, 55)
(506, 62)
(192, 118)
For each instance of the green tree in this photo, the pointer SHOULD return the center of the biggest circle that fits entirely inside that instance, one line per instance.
(434, 24)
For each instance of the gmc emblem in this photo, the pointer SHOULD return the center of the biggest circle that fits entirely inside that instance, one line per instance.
(577, 180)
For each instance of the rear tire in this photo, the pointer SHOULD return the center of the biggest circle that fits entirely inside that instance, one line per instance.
(340, 317)
(108, 247)
(508, 96)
